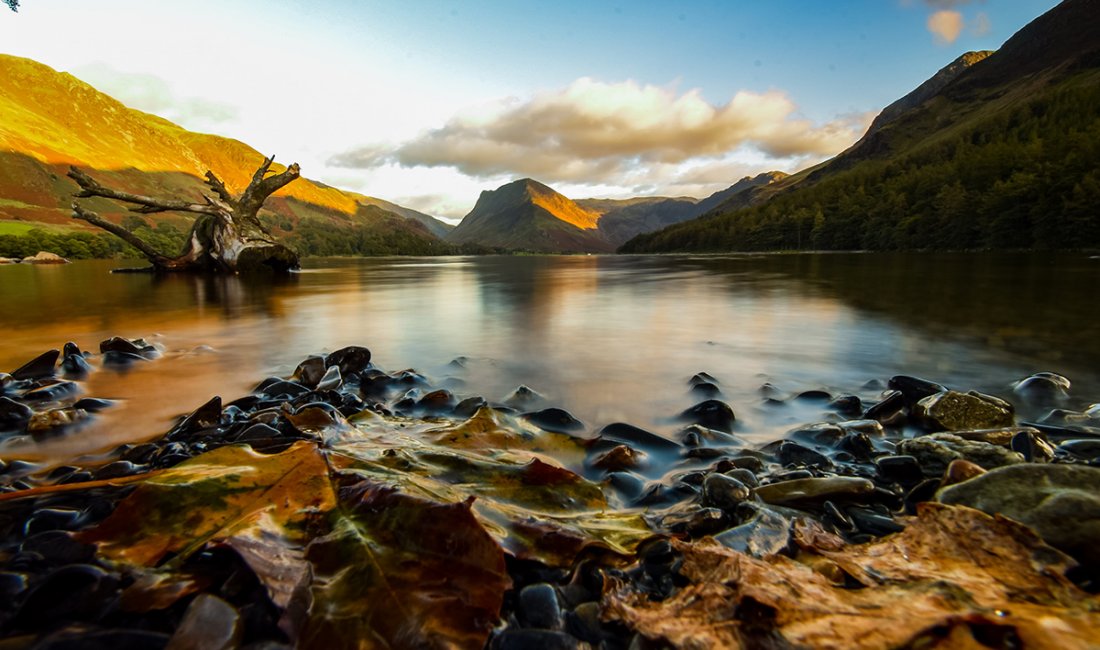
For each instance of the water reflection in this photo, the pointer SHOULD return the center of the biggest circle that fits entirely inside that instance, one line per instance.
(609, 338)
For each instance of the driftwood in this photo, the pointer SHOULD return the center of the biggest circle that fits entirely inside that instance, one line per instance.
(227, 236)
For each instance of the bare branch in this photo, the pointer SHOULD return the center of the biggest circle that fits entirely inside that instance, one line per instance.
(118, 231)
(260, 188)
(219, 188)
(90, 187)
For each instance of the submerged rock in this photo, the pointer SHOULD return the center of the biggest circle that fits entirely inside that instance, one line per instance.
(1043, 389)
(39, 367)
(1060, 502)
(555, 420)
(711, 413)
(764, 533)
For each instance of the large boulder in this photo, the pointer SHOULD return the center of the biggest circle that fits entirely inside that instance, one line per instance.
(44, 257)
(936, 451)
(1060, 502)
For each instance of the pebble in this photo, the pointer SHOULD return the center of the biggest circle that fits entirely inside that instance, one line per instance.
(310, 371)
(38, 367)
(555, 420)
(814, 490)
(904, 470)
(960, 470)
(792, 453)
(764, 533)
(14, 415)
(711, 413)
(955, 411)
(744, 475)
(892, 410)
(725, 492)
(619, 458)
(914, 389)
(934, 452)
(351, 360)
(539, 607)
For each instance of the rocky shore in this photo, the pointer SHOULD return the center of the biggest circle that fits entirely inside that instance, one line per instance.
(349, 506)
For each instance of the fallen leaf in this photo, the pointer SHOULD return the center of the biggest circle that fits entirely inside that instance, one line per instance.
(954, 578)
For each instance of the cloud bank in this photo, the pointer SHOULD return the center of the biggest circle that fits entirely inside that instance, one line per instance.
(593, 132)
(153, 94)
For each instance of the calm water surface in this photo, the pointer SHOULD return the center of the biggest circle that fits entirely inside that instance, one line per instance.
(608, 338)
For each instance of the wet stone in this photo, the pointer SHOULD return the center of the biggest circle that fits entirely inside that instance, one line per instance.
(13, 414)
(934, 452)
(763, 533)
(808, 491)
(121, 360)
(891, 410)
(584, 622)
(904, 470)
(39, 367)
(555, 420)
(539, 607)
(1028, 445)
(436, 401)
(117, 469)
(619, 458)
(523, 397)
(746, 476)
(814, 396)
(1044, 389)
(792, 453)
(707, 521)
(1082, 448)
(82, 638)
(58, 547)
(847, 405)
(711, 413)
(310, 371)
(725, 492)
(914, 389)
(206, 416)
(142, 453)
(93, 404)
(620, 433)
(210, 623)
(873, 523)
(75, 365)
(749, 462)
(75, 592)
(350, 360)
(954, 411)
(960, 470)
(52, 519)
(331, 380)
(630, 486)
(119, 344)
(52, 392)
(469, 406)
(858, 446)
(702, 378)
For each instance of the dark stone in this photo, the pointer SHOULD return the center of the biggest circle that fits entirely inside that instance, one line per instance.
(914, 389)
(712, 414)
(285, 389)
(11, 585)
(539, 607)
(813, 396)
(618, 458)
(822, 433)
(121, 359)
(117, 469)
(555, 420)
(764, 532)
(847, 405)
(81, 638)
(52, 392)
(39, 367)
(119, 344)
(891, 410)
(630, 486)
(522, 398)
(708, 521)
(58, 547)
(1082, 448)
(621, 433)
(71, 348)
(702, 378)
(93, 404)
(725, 492)
(76, 592)
(792, 453)
(13, 414)
(873, 523)
(904, 470)
(705, 389)
(206, 416)
(52, 519)
(1044, 389)
(209, 623)
(310, 371)
(257, 431)
(809, 491)
(584, 623)
(934, 452)
(659, 494)
(437, 401)
(1027, 445)
(921, 492)
(75, 365)
(690, 438)
(746, 476)
(142, 453)
(859, 445)
(534, 640)
(469, 406)
(331, 380)
(351, 360)
(413, 378)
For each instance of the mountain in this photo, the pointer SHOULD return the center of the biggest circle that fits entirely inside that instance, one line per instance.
(527, 215)
(1000, 151)
(622, 219)
(50, 120)
(738, 194)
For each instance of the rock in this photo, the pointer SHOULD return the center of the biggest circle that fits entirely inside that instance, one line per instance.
(869, 427)
(702, 378)
(331, 380)
(555, 420)
(54, 418)
(746, 476)
(284, 390)
(934, 452)
(914, 389)
(1082, 448)
(75, 365)
(436, 401)
(707, 521)
(13, 415)
(904, 470)
(121, 359)
(350, 360)
(618, 458)
(39, 367)
(822, 433)
(58, 547)
(116, 469)
(469, 406)
(45, 257)
(813, 396)
(725, 492)
(764, 533)
(954, 411)
(711, 413)
(534, 640)
(523, 397)
(539, 607)
(873, 523)
(9, 260)
(1032, 447)
(847, 405)
(891, 410)
(75, 592)
(620, 432)
(706, 389)
(83, 638)
(584, 623)
(792, 453)
(206, 416)
(52, 392)
(210, 623)
(960, 470)
(630, 486)
(119, 344)
(808, 491)
(1043, 389)
(1060, 502)
(310, 371)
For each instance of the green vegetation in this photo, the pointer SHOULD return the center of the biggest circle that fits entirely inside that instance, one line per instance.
(1024, 176)
(74, 245)
(314, 239)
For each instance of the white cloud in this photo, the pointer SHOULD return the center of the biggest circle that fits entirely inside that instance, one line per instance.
(593, 132)
(945, 25)
(981, 25)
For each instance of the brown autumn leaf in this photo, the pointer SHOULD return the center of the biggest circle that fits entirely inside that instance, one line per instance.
(403, 572)
(955, 578)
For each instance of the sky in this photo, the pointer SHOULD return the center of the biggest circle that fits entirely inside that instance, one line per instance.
(427, 103)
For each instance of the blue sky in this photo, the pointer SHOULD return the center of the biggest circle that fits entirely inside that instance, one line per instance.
(426, 103)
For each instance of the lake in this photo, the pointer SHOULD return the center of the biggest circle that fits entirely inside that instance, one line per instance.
(609, 338)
